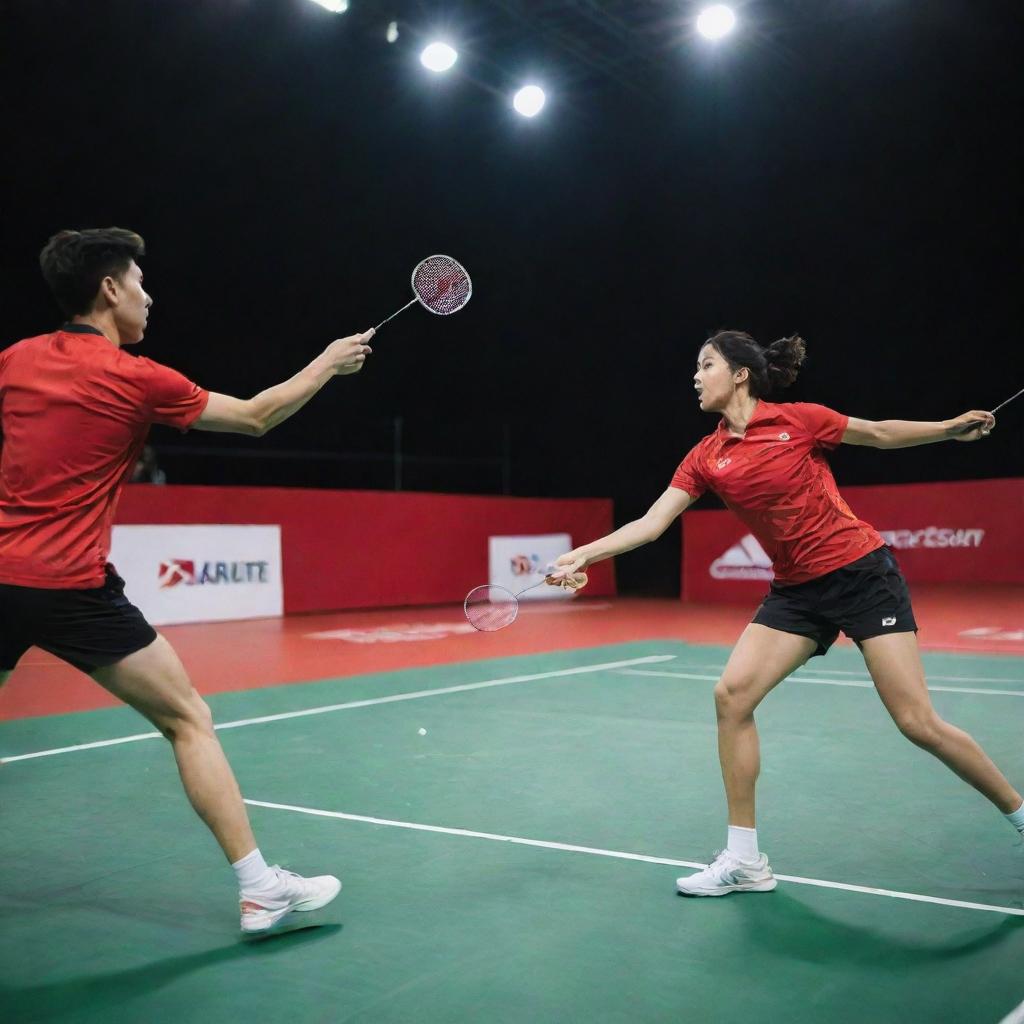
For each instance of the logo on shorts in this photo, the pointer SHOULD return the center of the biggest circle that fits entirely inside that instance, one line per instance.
(176, 571)
(746, 560)
(783, 436)
(889, 620)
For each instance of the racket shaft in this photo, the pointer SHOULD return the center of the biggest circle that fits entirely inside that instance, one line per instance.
(1008, 401)
(397, 311)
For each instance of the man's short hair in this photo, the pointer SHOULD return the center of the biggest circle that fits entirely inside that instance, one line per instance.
(75, 262)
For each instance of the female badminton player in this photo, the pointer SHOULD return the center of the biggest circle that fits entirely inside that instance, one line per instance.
(832, 572)
(75, 409)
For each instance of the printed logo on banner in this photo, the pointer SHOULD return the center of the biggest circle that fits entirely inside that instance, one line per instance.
(523, 565)
(746, 560)
(179, 570)
(934, 537)
(176, 571)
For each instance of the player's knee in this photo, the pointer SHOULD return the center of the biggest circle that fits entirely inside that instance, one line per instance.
(189, 715)
(731, 702)
(922, 727)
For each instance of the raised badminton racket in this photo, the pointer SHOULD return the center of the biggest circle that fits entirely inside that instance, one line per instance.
(439, 284)
(491, 607)
(1008, 401)
(973, 426)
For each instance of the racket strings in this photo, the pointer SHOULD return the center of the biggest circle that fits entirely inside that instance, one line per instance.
(442, 285)
(490, 608)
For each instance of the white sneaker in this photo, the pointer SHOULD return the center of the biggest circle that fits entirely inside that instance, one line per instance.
(262, 911)
(727, 873)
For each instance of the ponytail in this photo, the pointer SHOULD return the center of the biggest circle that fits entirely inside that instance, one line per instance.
(771, 368)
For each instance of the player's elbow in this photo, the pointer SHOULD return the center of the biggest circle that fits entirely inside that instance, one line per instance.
(883, 436)
(259, 427)
(255, 422)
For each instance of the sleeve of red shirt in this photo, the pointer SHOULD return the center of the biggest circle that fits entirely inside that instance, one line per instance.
(825, 425)
(171, 398)
(689, 476)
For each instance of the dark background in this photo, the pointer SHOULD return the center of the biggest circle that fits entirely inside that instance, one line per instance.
(846, 169)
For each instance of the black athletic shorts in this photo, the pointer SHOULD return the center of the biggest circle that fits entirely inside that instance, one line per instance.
(89, 629)
(866, 598)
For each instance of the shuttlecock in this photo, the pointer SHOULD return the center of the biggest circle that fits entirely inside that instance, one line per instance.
(422, 732)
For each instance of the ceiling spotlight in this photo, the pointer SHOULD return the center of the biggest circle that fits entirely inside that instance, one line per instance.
(716, 21)
(438, 57)
(392, 33)
(334, 6)
(529, 101)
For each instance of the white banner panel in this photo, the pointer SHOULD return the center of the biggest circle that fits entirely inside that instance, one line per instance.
(516, 563)
(200, 573)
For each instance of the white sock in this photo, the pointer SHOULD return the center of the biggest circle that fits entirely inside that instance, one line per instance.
(1016, 819)
(743, 842)
(253, 874)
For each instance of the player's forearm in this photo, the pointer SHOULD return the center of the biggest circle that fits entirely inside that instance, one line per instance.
(908, 433)
(276, 404)
(626, 538)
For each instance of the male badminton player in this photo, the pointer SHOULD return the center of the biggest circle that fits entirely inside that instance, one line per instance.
(832, 572)
(75, 409)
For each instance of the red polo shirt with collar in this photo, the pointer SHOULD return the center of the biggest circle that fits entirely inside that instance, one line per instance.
(777, 481)
(74, 413)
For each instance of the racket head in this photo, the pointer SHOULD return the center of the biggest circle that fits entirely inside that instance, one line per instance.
(441, 284)
(489, 608)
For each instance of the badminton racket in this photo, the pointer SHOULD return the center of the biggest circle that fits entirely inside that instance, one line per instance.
(439, 284)
(491, 607)
(1008, 401)
(974, 426)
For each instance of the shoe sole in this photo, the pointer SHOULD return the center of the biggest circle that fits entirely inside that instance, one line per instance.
(766, 886)
(270, 921)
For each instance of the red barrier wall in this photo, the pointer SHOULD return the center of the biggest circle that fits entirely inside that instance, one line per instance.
(370, 549)
(963, 532)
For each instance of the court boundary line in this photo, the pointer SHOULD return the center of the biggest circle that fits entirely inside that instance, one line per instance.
(862, 674)
(622, 855)
(1015, 1016)
(348, 705)
(857, 683)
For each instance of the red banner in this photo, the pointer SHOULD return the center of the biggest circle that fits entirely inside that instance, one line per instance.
(377, 549)
(963, 532)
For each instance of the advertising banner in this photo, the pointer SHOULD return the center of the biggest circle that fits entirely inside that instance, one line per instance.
(186, 573)
(517, 563)
(960, 532)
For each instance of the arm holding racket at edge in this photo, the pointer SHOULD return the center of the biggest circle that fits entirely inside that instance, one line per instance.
(255, 416)
(568, 572)
(971, 426)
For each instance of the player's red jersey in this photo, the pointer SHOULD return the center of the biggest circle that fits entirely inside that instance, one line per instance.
(776, 479)
(74, 414)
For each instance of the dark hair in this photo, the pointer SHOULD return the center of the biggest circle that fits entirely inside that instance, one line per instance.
(770, 368)
(75, 262)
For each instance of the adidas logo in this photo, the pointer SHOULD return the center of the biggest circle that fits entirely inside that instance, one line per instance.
(746, 560)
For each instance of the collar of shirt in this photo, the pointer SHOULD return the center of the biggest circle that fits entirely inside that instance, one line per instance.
(760, 410)
(81, 329)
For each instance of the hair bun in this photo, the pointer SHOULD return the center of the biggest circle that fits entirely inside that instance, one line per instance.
(784, 358)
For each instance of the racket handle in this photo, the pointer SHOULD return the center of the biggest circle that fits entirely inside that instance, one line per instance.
(393, 315)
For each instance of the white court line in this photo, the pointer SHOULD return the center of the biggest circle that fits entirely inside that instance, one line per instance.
(861, 684)
(620, 855)
(930, 675)
(1015, 1016)
(325, 709)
